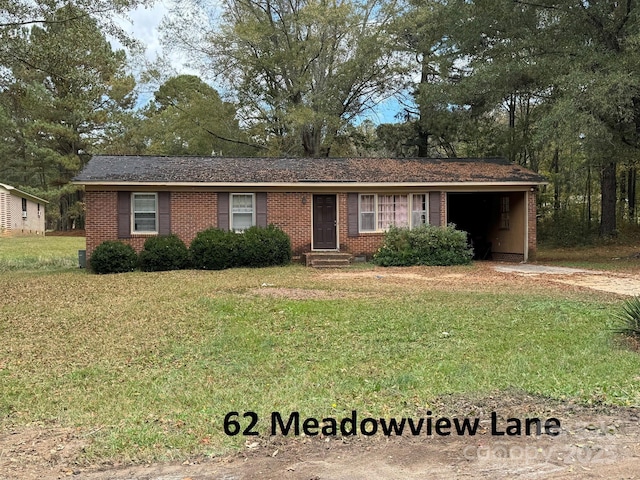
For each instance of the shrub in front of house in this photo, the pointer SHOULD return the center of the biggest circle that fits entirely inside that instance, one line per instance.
(424, 245)
(165, 252)
(214, 249)
(264, 247)
(113, 257)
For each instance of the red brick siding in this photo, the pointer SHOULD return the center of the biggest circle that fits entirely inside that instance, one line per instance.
(101, 221)
(193, 212)
(365, 243)
(291, 211)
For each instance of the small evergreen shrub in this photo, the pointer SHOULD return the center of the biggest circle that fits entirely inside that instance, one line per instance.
(165, 252)
(424, 245)
(264, 247)
(214, 249)
(629, 318)
(113, 257)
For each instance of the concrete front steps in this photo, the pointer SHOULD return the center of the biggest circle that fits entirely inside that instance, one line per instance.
(328, 259)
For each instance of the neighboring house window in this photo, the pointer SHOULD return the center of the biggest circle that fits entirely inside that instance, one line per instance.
(24, 208)
(504, 213)
(243, 212)
(39, 212)
(379, 212)
(145, 212)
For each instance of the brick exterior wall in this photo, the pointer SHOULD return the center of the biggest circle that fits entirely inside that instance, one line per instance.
(192, 212)
(291, 211)
(101, 221)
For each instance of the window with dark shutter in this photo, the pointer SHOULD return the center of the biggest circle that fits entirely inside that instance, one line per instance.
(434, 208)
(164, 213)
(352, 214)
(124, 214)
(223, 211)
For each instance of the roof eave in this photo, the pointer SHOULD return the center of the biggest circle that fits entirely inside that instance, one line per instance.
(26, 195)
(306, 185)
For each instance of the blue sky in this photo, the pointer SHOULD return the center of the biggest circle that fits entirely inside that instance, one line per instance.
(144, 23)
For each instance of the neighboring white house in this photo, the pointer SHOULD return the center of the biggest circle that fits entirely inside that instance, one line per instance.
(20, 212)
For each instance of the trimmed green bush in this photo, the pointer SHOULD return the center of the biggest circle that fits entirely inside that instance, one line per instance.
(113, 257)
(165, 252)
(264, 247)
(424, 245)
(214, 249)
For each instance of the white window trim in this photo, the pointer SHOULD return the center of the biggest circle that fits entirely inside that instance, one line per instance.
(133, 215)
(375, 209)
(253, 208)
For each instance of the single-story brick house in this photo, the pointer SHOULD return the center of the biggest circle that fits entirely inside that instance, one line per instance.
(20, 212)
(332, 204)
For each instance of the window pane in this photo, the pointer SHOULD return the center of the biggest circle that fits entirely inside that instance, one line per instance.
(401, 210)
(385, 211)
(144, 203)
(368, 222)
(418, 210)
(367, 203)
(242, 203)
(145, 222)
(393, 210)
(242, 221)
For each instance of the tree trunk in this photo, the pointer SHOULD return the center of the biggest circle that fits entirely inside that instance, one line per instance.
(423, 134)
(556, 181)
(512, 128)
(608, 196)
(311, 141)
(631, 194)
(589, 215)
(423, 137)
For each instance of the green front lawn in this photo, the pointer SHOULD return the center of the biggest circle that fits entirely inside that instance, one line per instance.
(39, 253)
(150, 363)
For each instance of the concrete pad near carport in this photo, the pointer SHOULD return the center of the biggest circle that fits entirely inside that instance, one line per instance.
(611, 282)
(527, 268)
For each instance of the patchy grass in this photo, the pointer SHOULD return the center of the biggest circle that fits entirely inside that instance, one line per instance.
(612, 256)
(39, 253)
(149, 364)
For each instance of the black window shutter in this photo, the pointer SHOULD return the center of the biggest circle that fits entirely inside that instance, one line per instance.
(261, 209)
(352, 214)
(223, 210)
(124, 214)
(164, 213)
(434, 208)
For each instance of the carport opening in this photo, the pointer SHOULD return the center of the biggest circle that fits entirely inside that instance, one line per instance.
(477, 214)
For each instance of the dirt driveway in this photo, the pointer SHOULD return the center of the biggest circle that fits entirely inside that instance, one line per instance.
(593, 442)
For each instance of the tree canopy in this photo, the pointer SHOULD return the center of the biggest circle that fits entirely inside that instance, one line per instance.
(301, 70)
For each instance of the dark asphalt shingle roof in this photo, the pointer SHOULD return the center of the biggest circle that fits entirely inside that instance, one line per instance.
(168, 169)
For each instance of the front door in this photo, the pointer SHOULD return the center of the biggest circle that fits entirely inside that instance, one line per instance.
(324, 222)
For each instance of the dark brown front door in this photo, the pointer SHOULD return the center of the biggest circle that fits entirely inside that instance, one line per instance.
(324, 222)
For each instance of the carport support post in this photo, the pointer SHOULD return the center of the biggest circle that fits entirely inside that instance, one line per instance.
(530, 237)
